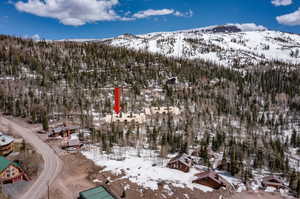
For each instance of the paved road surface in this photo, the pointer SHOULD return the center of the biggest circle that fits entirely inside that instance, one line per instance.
(52, 163)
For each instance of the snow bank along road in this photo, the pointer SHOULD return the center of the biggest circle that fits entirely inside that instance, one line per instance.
(52, 163)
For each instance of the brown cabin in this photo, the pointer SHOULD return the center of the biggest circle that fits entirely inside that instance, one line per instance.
(181, 162)
(210, 179)
(272, 181)
(11, 172)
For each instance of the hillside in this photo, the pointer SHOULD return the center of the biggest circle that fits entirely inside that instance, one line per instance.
(245, 124)
(229, 45)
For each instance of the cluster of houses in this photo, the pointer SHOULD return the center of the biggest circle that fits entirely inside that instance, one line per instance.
(126, 118)
(184, 162)
(10, 171)
(162, 110)
(67, 134)
(140, 118)
(63, 131)
(212, 179)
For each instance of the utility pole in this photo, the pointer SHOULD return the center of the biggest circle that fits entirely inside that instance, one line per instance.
(1, 186)
(48, 187)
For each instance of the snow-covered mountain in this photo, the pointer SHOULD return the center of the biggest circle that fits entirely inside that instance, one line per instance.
(225, 45)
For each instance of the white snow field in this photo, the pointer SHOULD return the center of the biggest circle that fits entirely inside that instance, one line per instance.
(248, 44)
(139, 169)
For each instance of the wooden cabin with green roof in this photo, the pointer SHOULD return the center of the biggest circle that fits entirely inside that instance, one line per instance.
(11, 172)
(97, 193)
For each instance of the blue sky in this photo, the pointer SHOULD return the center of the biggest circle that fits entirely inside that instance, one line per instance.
(59, 19)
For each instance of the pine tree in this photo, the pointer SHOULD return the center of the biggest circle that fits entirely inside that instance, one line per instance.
(298, 188)
(292, 179)
(184, 148)
(293, 140)
(45, 122)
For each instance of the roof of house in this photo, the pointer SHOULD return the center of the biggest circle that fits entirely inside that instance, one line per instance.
(4, 163)
(96, 193)
(273, 184)
(270, 180)
(183, 158)
(209, 174)
(5, 140)
(64, 128)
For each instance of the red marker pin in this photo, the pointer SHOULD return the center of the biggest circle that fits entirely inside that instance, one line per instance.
(117, 107)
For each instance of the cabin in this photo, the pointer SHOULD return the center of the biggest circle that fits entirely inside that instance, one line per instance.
(11, 172)
(209, 179)
(272, 181)
(72, 143)
(6, 144)
(182, 162)
(100, 192)
(63, 131)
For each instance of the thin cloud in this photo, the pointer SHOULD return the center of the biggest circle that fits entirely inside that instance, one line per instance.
(151, 12)
(291, 19)
(186, 14)
(282, 2)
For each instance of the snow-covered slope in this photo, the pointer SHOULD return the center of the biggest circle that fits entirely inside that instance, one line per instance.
(225, 45)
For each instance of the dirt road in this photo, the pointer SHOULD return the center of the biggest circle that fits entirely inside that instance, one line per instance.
(52, 163)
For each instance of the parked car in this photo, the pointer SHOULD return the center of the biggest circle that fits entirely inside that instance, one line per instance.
(42, 132)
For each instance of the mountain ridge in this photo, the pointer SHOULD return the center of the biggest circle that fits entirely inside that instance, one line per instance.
(226, 45)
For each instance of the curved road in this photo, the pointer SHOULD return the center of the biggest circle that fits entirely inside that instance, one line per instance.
(52, 163)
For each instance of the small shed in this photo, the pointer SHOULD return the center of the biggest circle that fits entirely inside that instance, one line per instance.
(97, 193)
(272, 181)
(182, 162)
(75, 143)
(210, 179)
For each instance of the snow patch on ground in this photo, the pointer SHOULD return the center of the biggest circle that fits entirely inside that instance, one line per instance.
(270, 189)
(140, 170)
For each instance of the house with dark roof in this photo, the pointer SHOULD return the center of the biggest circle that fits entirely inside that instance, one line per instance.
(210, 179)
(272, 181)
(100, 192)
(182, 162)
(11, 172)
(63, 131)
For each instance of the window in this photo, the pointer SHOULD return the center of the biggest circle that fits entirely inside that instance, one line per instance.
(10, 172)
